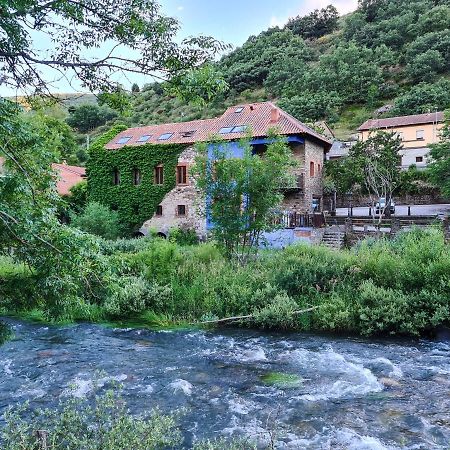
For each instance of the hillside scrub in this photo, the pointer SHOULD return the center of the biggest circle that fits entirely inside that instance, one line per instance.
(380, 287)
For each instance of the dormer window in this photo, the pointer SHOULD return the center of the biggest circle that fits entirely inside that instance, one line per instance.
(165, 136)
(123, 140)
(144, 138)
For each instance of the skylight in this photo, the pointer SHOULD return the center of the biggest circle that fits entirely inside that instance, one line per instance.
(239, 129)
(144, 138)
(165, 136)
(123, 140)
(187, 134)
(239, 110)
(226, 130)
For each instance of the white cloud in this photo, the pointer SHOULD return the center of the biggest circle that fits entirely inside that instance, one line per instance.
(307, 6)
(180, 8)
(278, 22)
(343, 6)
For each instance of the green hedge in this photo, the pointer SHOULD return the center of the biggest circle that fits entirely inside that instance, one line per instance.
(135, 204)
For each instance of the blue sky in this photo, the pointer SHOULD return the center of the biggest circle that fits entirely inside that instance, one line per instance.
(231, 21)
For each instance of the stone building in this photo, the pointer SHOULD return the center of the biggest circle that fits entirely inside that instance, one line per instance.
(183, 206)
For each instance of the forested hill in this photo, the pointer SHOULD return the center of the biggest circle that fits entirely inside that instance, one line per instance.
(341, 69)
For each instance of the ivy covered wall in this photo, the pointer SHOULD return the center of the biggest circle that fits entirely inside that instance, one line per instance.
(134, 203)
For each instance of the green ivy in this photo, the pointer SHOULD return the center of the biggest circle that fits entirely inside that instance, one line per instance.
(135, 204)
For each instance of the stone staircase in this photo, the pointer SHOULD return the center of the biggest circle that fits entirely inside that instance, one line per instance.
(333, 238)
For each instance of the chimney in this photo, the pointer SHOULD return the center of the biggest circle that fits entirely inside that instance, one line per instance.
(274, 115)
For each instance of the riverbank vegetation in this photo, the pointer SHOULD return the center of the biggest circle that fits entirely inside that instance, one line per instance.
(398, 286)
(103, 423)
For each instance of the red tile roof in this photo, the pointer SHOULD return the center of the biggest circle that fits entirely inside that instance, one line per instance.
(402, 121)
(260, 117)
(68, 176)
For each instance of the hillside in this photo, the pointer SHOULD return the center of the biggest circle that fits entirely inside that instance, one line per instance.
(321, 66)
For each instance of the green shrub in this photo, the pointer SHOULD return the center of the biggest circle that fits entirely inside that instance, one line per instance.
(133, 295)
(278, 314)
(183, 236)
(100, 423)
(99, 220)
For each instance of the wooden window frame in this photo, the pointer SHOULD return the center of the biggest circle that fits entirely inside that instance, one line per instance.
(311, 169)
(186, 177)
(158, 180)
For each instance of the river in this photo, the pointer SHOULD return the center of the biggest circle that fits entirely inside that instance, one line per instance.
(342, 393)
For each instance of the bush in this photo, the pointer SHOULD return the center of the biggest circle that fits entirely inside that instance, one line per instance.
(278, 314)
(101, 423)
(133, 295)
(183, 236)
(99, 220)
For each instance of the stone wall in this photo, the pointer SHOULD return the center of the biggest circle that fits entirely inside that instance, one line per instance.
(186, 195)
(301, 201)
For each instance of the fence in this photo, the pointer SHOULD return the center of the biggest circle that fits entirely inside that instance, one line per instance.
(292, 219)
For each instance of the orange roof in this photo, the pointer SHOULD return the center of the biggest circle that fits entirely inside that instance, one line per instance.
(402, 121)
(68, 176)
(260, 117)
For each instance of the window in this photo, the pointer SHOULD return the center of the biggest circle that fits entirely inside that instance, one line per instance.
(123, 140)
(318, 168)
(136, 177)
(165, 136)
(144, 138)
(181, 210)
(159, 174)
(116, 177)
(239, 110)
(316, 204)
(311, 168)
(233, 129)
(181, 174)
(187, 134)
(226, 130)
(420, 135)
(419, 159)
(239, 129)
(159, 210)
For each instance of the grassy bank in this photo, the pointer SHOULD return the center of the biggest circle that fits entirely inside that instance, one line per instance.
(384, 287)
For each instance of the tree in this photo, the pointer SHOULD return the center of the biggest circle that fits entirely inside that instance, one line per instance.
(426, 66)
(312, 106)
(316, 24)
(242, 194)
(376, 163)
(85, 118)
(135, 37)
(135, 88)
(423, 98)
(99, 220)
(440, 165)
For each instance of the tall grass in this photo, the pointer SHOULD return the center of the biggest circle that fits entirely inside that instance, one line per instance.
(379, 287)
